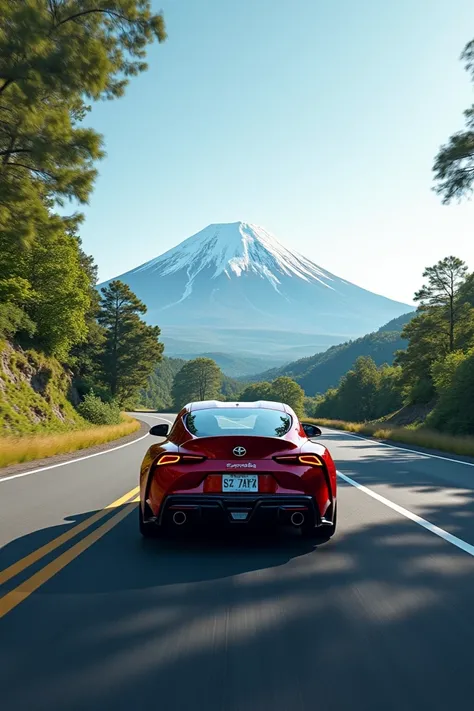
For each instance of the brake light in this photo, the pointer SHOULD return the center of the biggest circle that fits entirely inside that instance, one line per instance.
(311, 460)
(168, 459)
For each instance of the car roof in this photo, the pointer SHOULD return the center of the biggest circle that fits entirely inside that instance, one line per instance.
(257, 404)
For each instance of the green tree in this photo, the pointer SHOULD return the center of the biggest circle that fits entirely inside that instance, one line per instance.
(198, 379)
(230, 388)
(86, 357)
(360, 393)
(327, 405)
(444, 281)
(444, 323)
(389, 396)
(157, 392)
(286, 390)
(131, 349)
(454, 164)
(54, 54)
(75, 47)
(427, 343)
(443, 371)
(454, 411)
(256, 391)
(60, 290)
(358, 390)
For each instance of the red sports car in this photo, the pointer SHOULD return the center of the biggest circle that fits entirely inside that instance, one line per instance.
(240, 464)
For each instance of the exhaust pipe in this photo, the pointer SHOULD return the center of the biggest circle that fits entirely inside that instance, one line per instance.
(179, 518)
(297, 518)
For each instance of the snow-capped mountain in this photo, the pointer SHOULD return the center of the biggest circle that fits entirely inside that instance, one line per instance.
(235, 288)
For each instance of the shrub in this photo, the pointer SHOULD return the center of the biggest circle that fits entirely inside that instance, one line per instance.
(93, 409)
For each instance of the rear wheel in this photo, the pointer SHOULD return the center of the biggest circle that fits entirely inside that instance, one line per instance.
(321, 534)
(148, 530)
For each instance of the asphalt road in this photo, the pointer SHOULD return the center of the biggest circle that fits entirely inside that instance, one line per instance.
(380, 618)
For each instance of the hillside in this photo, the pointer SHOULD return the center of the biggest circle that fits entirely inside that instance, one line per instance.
(235, 365)
(35, 393)
(321, 371)
(157, 394)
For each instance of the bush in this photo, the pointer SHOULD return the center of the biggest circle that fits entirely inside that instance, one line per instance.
(454, 412)
(93, 409)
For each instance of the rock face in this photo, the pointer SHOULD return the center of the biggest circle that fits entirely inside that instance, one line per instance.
(236, 288)
(36, 393)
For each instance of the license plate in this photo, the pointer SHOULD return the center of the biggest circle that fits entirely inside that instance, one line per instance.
(246, 482)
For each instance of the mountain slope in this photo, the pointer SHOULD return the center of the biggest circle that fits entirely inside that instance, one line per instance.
(157, 394)
(234, 288)
(238, 366)
(323, 370)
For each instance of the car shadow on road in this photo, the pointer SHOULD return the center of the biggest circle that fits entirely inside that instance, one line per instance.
(249, 623)
(254, 622)
(233, 551)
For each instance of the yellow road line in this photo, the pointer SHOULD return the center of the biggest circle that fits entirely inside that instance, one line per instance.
(24, 590)
(36, 555)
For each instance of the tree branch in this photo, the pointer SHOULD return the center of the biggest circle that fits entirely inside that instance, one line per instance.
(39, 171)
(12, 151)
(5, 85)
(91, 12)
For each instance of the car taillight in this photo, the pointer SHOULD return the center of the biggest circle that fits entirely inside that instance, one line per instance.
(311, 460)
(168, 459)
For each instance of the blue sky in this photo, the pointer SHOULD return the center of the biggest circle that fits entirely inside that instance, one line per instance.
(318, 119)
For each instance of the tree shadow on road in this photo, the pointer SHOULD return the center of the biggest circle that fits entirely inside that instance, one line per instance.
(255, 623)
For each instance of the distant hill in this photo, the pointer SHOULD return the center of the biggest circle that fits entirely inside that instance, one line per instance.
(397, 324)
(237, 366)
(321, 371)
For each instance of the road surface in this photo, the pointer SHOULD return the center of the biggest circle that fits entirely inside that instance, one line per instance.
(380, 618)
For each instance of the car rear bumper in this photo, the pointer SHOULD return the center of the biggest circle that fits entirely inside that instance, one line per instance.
(238, 509)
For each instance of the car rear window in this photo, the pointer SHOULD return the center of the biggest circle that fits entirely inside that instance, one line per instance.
(231, 421)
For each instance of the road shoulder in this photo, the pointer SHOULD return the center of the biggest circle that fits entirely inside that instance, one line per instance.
(71, 456)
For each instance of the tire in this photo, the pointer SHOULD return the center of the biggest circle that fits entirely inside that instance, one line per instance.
(321, 534)
(147, 530)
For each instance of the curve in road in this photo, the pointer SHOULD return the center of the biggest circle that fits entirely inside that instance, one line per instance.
(379, 618)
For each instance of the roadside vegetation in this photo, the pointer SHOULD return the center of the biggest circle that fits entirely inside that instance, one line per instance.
(62, 343)
(73, 359)
(17, 450)
(416, 437)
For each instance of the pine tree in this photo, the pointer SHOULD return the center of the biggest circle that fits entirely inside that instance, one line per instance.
(444, 281)
(131, 349)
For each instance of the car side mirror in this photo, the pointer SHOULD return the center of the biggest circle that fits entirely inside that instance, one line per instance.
(159, 430)
(311, 430)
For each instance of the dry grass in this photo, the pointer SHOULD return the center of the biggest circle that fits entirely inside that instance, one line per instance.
(420, 437)
(15, 450)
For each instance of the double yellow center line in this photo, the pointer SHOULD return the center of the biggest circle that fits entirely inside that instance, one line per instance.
(13, 598)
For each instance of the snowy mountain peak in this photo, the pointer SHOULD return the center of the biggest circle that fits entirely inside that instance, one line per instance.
(234, 288)
(232, 249)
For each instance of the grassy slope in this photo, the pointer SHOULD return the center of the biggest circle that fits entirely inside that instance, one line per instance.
(37, 418)
(34, 394)
(15, 450)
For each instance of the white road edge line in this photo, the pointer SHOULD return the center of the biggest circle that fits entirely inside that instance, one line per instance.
(454, 540)
(79, 459)
(402, 449)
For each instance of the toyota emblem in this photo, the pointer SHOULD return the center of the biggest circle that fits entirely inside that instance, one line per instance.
(239, 451)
